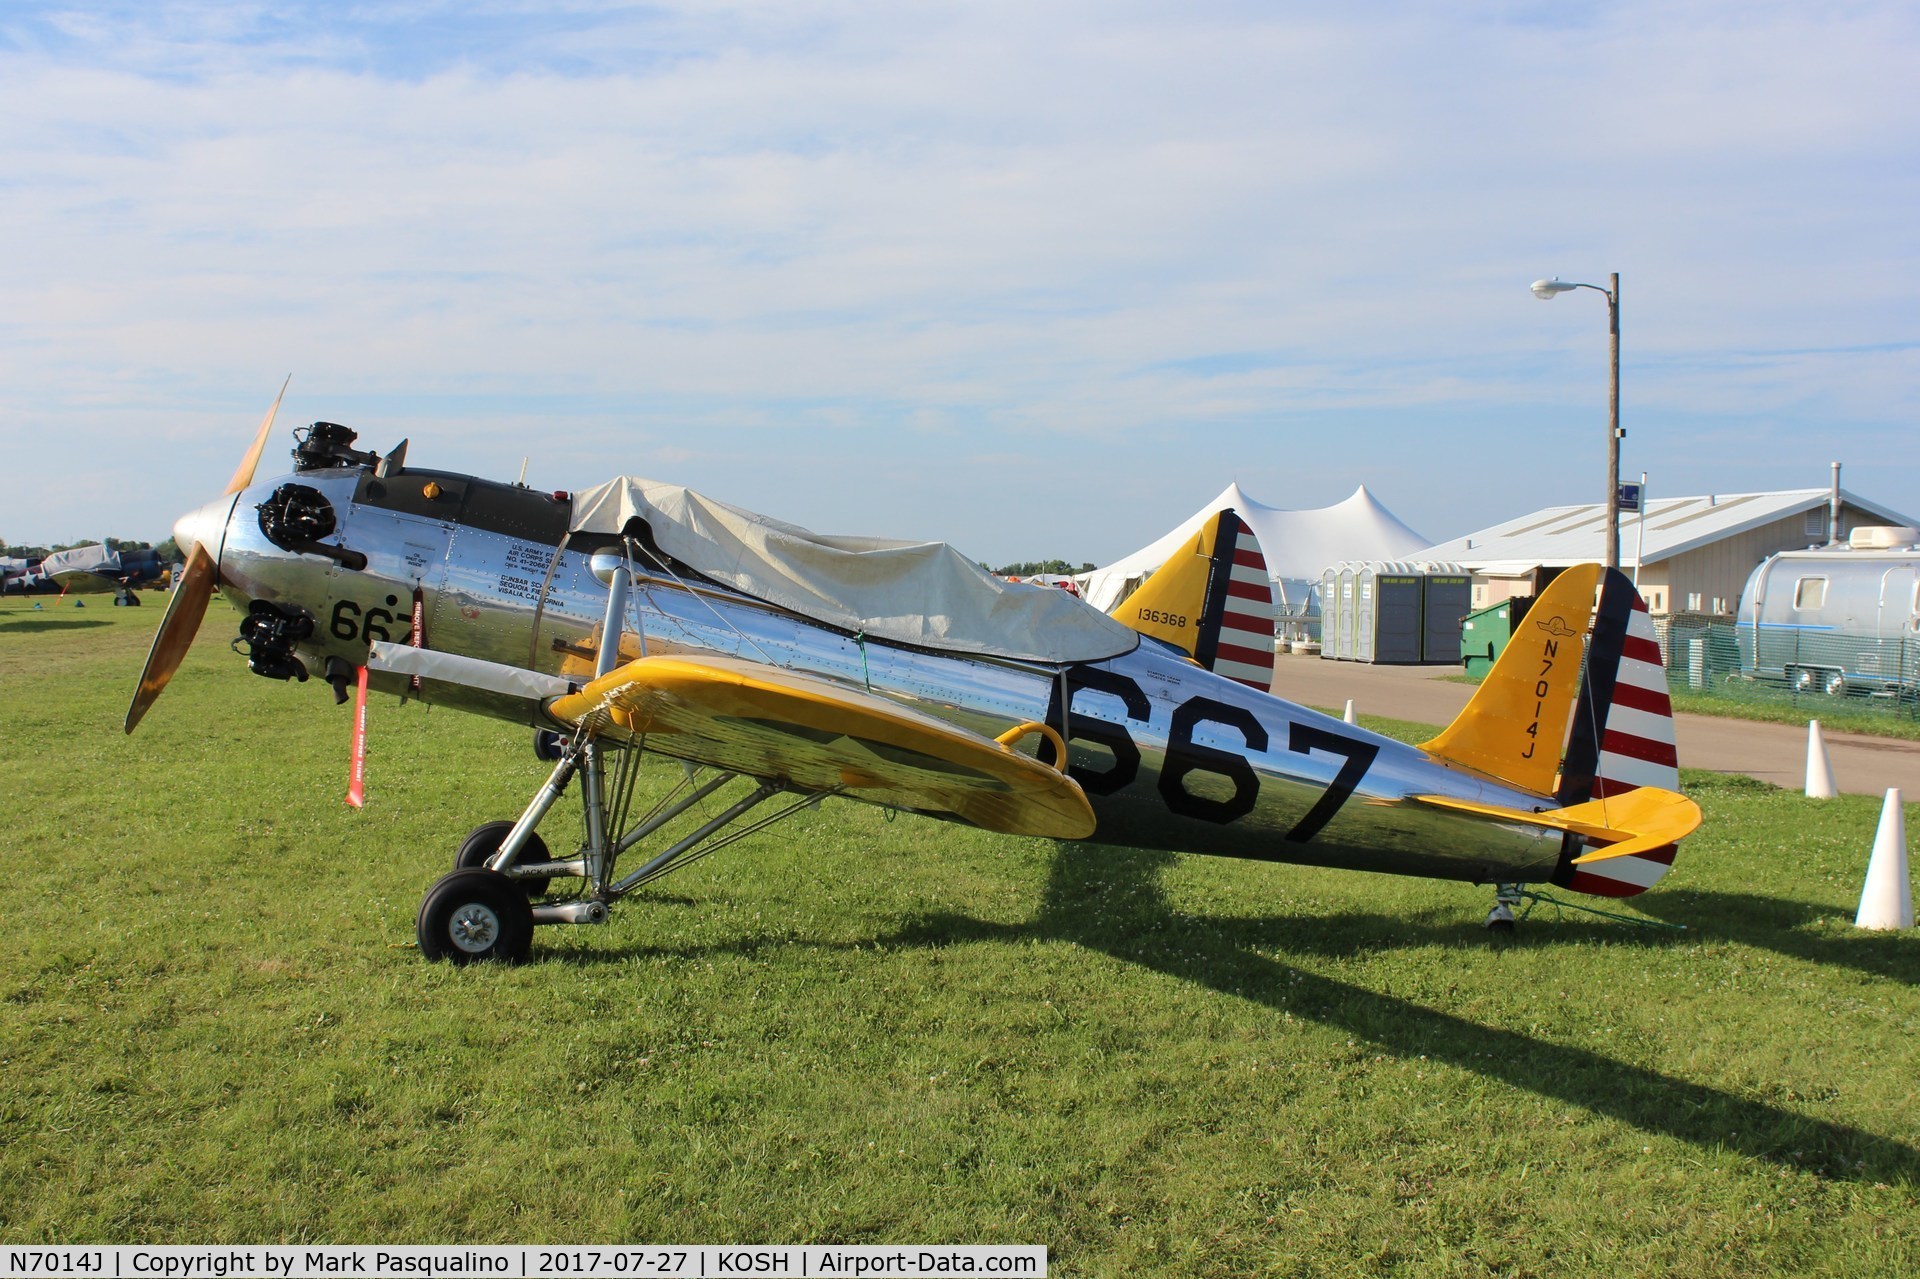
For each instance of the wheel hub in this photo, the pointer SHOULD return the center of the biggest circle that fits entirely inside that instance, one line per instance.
(473, 928)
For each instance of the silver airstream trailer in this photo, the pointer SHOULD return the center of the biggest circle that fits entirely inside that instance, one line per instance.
(1837, 619)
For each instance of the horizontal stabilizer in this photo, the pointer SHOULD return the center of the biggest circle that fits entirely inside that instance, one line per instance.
(1632, 822)
(1651, 817)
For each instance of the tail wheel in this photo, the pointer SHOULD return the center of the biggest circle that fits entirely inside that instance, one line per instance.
(485, 841)
(472, 916)
(1500, 920)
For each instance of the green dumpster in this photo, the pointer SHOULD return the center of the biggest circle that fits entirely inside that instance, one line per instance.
(1484, 632)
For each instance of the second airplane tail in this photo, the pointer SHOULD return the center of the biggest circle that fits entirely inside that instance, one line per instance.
(1213, 601)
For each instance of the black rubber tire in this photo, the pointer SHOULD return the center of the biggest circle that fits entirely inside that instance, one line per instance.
(475, 916)
(484, 842)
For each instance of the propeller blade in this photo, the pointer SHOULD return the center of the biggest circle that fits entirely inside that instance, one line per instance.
(251, 462)
(188, 604)
(185, 608)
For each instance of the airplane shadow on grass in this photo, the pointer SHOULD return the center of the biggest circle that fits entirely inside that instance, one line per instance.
(28, 624)
(1110, 900)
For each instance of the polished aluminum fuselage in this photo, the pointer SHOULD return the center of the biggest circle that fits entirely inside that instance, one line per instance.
(1171, 755)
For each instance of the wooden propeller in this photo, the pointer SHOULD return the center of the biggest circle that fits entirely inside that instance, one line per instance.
(188, 603)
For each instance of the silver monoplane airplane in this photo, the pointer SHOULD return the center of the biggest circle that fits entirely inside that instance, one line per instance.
(777, 663)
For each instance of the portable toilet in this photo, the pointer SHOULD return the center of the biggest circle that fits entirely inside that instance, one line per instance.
(1446, 598)
(1387, 616)
(1338, 603)
(1373, 611)
(1394, 612)
(1329, 610)
(1361, 648)
(1349, 613)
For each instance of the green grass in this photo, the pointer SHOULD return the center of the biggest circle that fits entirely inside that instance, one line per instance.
(212, 1027)
(1771, 704)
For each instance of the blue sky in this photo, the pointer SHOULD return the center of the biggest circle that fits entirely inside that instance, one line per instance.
(1034, 279)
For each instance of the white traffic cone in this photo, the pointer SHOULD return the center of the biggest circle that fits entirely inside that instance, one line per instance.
(1348, 715)
(1887, 899)
(1819, 767)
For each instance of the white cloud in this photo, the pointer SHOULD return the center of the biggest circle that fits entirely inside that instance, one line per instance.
(1035, 228)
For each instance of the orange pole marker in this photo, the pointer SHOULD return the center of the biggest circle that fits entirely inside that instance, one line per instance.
(357, 769)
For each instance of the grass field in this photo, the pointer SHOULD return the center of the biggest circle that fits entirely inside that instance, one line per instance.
(212, 1027)
(1779, 706)
(1769, 704)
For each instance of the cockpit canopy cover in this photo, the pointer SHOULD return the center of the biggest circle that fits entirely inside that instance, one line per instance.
(81, 559)
(922, 593)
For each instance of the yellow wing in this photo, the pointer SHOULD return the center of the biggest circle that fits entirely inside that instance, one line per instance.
(778, 725)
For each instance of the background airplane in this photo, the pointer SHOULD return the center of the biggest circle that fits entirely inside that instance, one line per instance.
(89, 570)
(1213, 601)
(22, 575)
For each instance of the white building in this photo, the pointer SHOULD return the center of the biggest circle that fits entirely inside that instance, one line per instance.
(1686, 554)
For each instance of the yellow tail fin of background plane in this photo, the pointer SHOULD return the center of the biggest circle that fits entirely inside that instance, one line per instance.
(1515, 728)
(1169, 604)
(1213, 601)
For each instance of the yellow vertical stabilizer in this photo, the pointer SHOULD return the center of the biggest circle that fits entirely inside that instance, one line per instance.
(1515, 728)
(1171, 604)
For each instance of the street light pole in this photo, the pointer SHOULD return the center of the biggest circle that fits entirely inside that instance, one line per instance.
(1613, 426)
(1546, 290)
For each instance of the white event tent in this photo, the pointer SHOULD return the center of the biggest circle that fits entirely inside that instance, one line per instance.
(1297, 545)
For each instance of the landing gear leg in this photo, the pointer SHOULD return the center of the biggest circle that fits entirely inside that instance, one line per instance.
(1506, 896)
(480, 911)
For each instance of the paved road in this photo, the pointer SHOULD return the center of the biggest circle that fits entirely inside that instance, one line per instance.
(1775, 753)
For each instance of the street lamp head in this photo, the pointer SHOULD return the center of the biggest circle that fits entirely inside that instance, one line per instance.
(1546, 289)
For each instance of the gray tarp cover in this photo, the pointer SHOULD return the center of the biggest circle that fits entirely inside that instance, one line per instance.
(82, 559)
(923, 593)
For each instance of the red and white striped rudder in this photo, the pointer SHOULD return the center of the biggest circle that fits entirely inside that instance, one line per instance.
(1622, 734)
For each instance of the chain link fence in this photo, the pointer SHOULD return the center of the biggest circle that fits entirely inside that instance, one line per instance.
(1801, 667)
